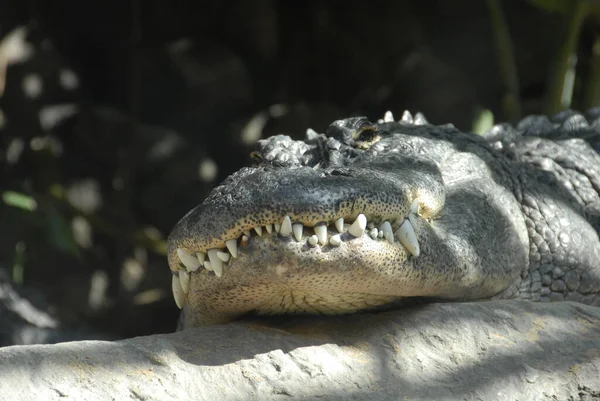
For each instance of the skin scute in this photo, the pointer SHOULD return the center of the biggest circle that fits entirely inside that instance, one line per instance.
(369, 215)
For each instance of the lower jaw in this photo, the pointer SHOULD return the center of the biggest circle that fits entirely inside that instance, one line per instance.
(278, 300)
(274, 276)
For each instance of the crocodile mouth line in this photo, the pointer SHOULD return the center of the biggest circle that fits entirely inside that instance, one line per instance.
(399, 231)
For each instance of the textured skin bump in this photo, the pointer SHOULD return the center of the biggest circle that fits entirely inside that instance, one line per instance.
(511, 214)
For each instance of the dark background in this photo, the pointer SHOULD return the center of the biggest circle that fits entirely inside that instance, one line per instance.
(116, 118)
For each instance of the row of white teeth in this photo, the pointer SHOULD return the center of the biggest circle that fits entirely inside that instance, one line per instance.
(217, 257)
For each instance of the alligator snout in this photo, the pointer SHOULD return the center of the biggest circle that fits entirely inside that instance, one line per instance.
(398, 231)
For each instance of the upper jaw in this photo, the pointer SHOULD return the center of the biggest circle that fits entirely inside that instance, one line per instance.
(263, 198)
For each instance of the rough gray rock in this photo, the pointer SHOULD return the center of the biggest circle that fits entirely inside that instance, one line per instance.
(497, 350)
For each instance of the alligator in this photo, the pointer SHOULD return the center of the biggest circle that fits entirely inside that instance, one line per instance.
(374, 215)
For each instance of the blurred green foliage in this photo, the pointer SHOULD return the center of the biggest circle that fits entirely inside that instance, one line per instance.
(483, 122)
(59, 232)
(19, 200)
(561, 6)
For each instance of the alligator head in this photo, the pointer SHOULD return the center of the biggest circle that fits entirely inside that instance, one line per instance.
(363, 216)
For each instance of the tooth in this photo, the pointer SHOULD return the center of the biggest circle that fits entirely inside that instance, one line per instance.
(388, 234)
(357, 228)
(388, 117)
(247, 233)
(224, 256)
(286, 227)
(232, 247)
(313, 239)
(244, 240)
(277, 227)
(215, 262)
(373, 233)
(218, 269)
(189, 261)
(380, 234)
(193, 268)
(178, 293)
(407, 117)
(339, 224)
(321, 232)
(201, 258)
(413, 219)
(335, 240)
(414, 207)
(407, 237)
(184, 280)
(269, 228)
(258, 230)
(297, 228)
(208, 266)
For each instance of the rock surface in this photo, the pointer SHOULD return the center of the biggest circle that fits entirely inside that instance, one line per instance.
(498, 350)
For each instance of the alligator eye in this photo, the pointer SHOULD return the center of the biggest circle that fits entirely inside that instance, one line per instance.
(366, 136)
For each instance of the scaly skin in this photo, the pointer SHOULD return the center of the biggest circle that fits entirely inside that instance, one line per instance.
(474, 218)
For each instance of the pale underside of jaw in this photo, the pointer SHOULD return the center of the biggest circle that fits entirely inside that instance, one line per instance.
(397, 232)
